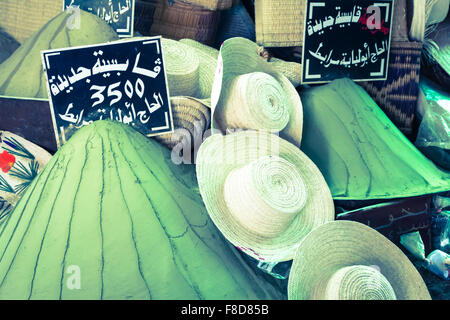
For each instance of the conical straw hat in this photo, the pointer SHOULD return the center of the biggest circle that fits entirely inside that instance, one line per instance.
(248, 93)
(262, 192)
(346, 260)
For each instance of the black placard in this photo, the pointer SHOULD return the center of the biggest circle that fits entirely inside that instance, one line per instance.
(346, 38)
(118, 13)
(123, 81)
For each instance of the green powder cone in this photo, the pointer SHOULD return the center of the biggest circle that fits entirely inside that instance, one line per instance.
(360, 152)
(111, 205)
(22, 75)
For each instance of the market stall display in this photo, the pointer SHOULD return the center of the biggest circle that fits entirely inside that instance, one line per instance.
(112, 203)
(276, 167)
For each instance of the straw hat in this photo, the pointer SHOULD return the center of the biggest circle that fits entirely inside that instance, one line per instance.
(346, 260)
(190, 71)
(418, 20)
(191, 119)
(207, 51)
(248, 93)
(190, 74)
(262, 192)
(436, 11)
(436, 53)
(291, 70)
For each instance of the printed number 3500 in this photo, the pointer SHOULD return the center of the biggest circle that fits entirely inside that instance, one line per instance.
(139, 89)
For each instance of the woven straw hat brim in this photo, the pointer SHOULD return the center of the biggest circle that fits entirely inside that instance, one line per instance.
(417, 26)
(292, 70)
(213, 167)
(190, 71)
(436, 11)
(187, 114)
(239, 56)
(203, 48)
(185, 106)
(340, 244)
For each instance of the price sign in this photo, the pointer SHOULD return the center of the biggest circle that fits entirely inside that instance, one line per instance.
(122, 81)
(118, 13)
(346, 38)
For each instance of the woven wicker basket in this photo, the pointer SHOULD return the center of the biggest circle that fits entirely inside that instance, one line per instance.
(279, 23)
(177, 21)
(211, 4)
(398, 95)
(235, 22)
(21, 18)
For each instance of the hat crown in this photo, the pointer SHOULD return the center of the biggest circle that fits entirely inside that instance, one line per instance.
(359, 283)
(265, 195)
(257, 101)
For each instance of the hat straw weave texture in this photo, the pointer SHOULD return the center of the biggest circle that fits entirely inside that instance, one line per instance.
(249, 93)
(262, 192)
(347, 260)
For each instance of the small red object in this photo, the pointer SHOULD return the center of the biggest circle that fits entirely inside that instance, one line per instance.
(7, 161)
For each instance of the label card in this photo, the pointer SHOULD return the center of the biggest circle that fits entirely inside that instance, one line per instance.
(118, 13)
(346, 38)
(123, 81)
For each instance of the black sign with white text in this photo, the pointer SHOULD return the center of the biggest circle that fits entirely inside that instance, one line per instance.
(122, 81)
(118, 13)
(346, 38)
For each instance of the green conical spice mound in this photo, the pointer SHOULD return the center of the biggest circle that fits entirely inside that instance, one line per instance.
(112, 205)
(21, 75)
(360, 152)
